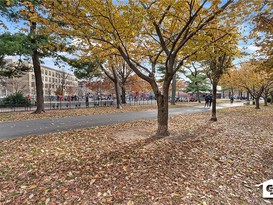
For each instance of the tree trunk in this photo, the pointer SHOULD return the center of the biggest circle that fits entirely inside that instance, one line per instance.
(123, 95)
(198, 93)
(247, 96)
(117, 95)
(173, 89)
(265, 99)
(162, 115)
(257, 102)
(38, 75)
(271, 101)
(213, 111)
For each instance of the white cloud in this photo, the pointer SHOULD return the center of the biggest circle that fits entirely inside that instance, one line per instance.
(252, 48)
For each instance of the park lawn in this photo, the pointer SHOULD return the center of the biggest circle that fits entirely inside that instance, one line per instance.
(17, 116)
(201, 162)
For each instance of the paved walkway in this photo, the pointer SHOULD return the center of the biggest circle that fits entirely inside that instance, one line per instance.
(30, 127)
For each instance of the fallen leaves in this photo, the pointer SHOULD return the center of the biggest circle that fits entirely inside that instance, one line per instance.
(200, 163)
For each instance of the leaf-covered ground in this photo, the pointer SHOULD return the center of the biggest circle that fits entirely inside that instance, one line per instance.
(16, 116)
(200, 163)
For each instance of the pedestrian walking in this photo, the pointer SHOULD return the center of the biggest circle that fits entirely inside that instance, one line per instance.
(206, 101)
(210, 100)
(231, 99)
(87, 101)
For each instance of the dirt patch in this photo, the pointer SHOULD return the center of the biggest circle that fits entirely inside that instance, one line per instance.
(131, 136)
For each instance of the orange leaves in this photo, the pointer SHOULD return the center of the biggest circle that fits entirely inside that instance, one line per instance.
(136, 84)
(8, 2)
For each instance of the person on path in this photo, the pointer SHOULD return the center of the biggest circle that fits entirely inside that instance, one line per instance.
(206, 101)
(210, 100)
(231, 99)
(87, 101)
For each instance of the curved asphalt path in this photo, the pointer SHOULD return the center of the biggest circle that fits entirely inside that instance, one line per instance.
(41, 126)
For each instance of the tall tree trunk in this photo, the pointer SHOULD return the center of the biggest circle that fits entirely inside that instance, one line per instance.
(213, 111)
(123, 94)
(117, 94)
(173, 90)
(271, 101)
(247, 96)
(162, 114)
(116, 82)
(198, 93)
(38, 75)
(265, 99)
(257, 102)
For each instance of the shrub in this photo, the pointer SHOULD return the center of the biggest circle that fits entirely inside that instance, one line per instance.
(15, 99)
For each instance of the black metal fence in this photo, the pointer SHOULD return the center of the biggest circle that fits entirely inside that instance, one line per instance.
(15, 107)
(60, 105)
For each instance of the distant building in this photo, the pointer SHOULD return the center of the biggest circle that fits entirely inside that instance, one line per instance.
(52, 80)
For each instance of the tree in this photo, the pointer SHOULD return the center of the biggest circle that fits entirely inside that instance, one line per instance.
(59, 91)
(11, 45)
(219, 56)
(145, 33)
(218, 65)
(10, 9)
(263, 31)
(268, 88)
(198, 80)
(253, 80)
(83, 69)
(39, 45)
(110, 69)
(123, 72)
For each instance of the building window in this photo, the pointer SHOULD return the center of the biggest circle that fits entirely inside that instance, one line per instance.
(46, 85)
(52, 74)
(49, 73)
(46, 72)
(46, 79)
(32, 84)
(53, 86)
(32, 77)
(43, 71)
(50, 80)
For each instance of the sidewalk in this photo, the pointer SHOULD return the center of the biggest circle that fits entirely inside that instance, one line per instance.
(43, 126)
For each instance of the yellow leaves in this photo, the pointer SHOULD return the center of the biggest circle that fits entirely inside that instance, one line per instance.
(130, 203)
(29, 187)
(8, 2)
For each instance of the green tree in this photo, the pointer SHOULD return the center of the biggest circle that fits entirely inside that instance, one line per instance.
(83, 69)
(11, 45)
(38, 44)
(198, 80)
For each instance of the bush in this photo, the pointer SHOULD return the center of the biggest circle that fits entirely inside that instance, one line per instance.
(15, 99)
